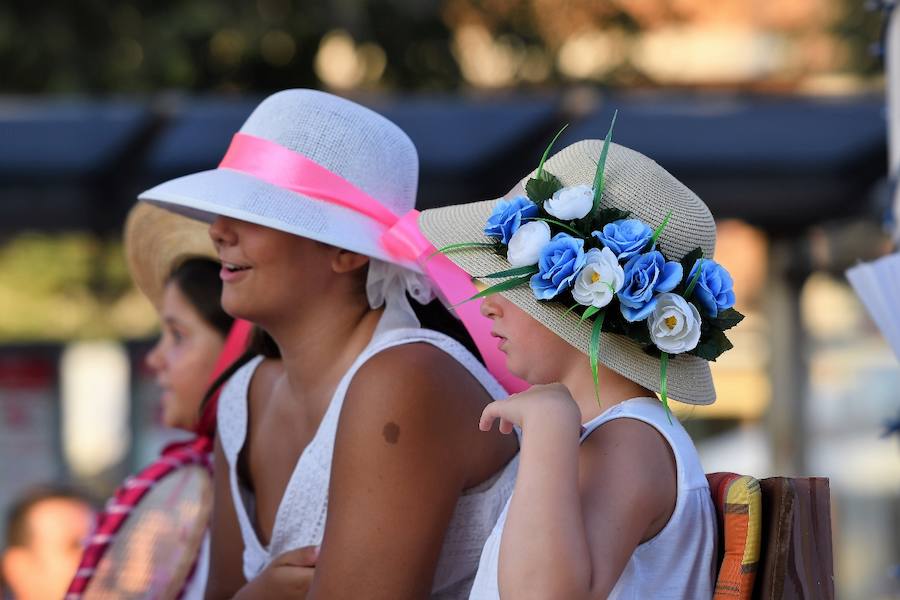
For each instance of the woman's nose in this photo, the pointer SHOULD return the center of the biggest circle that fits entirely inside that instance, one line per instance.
(222, 232)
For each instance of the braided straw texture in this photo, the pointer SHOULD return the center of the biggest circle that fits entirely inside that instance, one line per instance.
(157, 241)
(634, 183)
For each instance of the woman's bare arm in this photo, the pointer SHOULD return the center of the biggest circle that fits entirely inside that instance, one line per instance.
(401, 457)
(226, 573)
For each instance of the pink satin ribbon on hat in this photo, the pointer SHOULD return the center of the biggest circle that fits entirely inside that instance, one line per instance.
(401, 238)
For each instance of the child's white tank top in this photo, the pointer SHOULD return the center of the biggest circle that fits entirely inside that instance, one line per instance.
(680, 561)
(300, 517)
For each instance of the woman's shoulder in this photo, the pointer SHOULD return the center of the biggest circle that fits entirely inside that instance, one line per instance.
(262, 383)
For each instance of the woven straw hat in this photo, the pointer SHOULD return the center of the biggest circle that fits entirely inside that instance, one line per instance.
(634, 183)
(345, 138)
(156, 242)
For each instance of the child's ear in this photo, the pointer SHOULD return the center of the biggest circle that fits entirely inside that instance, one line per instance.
(345, 261)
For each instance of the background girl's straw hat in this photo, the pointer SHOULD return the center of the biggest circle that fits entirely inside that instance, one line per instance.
(634, 183)
(347, 139)
(157, 241)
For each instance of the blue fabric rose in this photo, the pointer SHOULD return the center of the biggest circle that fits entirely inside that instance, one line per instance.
(507, 217)
(625, 237)
(647, 275)
(558, 265)
(714, 290)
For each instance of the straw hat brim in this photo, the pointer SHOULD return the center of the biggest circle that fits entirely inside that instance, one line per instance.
(689, 379)
(157, 241)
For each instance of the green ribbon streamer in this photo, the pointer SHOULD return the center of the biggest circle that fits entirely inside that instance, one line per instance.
(540, 169)
(595, 353)
(555, 222)
(599, 176)
(495, 289)
(663, 380)
(690, 288)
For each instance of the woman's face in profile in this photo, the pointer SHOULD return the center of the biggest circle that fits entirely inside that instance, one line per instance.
(268, 275)
(183, 359)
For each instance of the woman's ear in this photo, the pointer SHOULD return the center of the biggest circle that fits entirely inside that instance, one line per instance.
(346, 261)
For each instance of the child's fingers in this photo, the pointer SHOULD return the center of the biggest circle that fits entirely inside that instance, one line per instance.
(506, 426)
(487, 418)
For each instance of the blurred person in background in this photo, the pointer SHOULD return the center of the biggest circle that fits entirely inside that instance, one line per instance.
(170, 260)
(45, 534)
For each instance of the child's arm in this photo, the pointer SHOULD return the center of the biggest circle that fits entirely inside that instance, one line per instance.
(577, 514)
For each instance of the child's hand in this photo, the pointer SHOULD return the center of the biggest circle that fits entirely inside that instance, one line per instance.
(541, 403)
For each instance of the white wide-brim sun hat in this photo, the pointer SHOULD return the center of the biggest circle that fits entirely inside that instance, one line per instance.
(634, 183)
(347, 139)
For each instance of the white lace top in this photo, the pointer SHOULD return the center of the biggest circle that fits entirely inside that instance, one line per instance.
(300, 517)
(679, 563)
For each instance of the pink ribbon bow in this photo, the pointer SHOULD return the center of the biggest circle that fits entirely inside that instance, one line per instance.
(401, 238)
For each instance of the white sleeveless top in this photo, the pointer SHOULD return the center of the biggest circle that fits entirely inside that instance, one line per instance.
(300, 518)
(680, 562)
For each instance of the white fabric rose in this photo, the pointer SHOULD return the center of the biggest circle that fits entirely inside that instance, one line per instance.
(600, 279)
(674, 324)
(571, 202)
(525, 245)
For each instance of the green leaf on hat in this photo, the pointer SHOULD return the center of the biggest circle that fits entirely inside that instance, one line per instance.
(541, 187)
(726, 319)
(589, 312)
(571, 308)
(694, 279)
(558, 224)
(663, 383)
(599, 177)
(687, 263)
(500, 287)
(595, 352)
(659, 229)
(518, 271)
(462, 246)
(540, 169)
(712, 345)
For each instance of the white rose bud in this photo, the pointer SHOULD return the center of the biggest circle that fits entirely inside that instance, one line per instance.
(600, 279)
(571, 202)
(674, 324)
(525, 245)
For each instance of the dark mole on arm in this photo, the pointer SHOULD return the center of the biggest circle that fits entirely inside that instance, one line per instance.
(391, 432)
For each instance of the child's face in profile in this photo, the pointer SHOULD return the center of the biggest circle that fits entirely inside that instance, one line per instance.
(533, 352)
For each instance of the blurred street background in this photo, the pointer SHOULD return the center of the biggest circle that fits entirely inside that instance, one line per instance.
(771, 110)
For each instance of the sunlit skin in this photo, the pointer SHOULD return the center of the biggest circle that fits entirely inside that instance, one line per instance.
(183, 359)
(57, 529)
(577, 512)
(407, 428)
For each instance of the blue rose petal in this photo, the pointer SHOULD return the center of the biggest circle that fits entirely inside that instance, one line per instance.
(508, 216)
(625, 237)
(714, 290)
(559, 263)
(645, 276)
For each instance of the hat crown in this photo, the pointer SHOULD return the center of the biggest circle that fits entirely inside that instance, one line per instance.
(349, 140)
(637, 184)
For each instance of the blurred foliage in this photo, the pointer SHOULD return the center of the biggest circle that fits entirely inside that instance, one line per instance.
(68, 286)
(225, 45)
(99, 46)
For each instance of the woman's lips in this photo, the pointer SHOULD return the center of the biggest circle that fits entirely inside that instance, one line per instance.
(231, 272)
